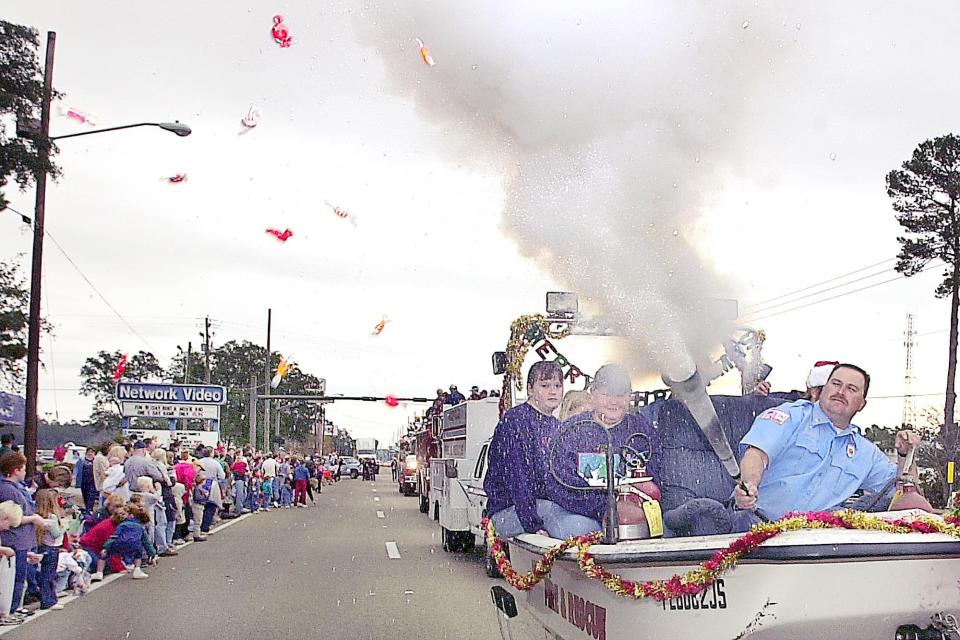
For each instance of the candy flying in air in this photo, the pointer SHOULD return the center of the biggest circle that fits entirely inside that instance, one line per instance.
(282, 370)
(425, 53)
(121, 368)
(391, 400)
(282, 236)
(250, 120)
(379, 327)
(343, 214)
(177, 178)
(280, 33)
(79, 116)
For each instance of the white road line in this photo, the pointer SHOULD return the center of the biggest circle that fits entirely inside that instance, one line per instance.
(380, 514)
(376, 498)
(392, 552)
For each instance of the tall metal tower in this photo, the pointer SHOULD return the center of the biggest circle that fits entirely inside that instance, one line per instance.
(909, 341)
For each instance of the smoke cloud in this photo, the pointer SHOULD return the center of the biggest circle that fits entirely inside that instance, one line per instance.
(611, 125)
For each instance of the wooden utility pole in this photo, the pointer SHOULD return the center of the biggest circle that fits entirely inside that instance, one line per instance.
(206, 349)
(42, 142)
(252, 422)
(266, 387)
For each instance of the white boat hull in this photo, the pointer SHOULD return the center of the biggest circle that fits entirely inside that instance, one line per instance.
(784, 592)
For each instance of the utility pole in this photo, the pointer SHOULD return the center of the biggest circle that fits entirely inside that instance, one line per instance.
(909, 410)
(252, 422)
(206, 349)
(266, 387)
(276, 430)
(42, 142)
(186, 364)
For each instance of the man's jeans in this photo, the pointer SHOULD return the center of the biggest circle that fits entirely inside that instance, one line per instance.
(159, 539)
(240, 495)
(558, 522)
(209, 511)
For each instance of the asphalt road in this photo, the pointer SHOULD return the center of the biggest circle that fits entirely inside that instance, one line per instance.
(319, 572)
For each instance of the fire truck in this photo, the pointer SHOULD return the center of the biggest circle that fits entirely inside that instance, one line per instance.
(422, 443)
(456, 477)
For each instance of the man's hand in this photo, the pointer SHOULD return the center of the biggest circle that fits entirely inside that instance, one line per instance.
(906, 440)
(7, 552)
(543, 532)
(746, 499)
(34, 558)
(762, 389)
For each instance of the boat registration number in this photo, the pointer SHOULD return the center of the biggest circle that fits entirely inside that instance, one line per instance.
(714, 597)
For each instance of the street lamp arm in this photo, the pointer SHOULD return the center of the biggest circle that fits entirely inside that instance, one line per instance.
(175, 127)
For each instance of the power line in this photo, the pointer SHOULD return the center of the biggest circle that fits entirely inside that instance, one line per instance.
(820, 291)
(839, 295)
(827, 281)
(87, 280)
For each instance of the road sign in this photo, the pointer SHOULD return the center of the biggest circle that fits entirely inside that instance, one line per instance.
(190, 394)
(168, 410)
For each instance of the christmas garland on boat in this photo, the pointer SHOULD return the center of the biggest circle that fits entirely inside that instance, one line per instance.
(693, 582)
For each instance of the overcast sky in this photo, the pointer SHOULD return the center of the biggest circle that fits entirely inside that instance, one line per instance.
(789, 121)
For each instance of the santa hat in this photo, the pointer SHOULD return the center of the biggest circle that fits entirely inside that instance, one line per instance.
(820, 373)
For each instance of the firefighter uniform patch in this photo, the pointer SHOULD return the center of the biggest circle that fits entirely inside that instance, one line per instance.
(851, 450)
(775, 415)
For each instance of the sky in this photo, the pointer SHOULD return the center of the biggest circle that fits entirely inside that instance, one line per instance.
(649, 156)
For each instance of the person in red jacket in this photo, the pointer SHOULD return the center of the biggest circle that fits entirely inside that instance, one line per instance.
(92, 542)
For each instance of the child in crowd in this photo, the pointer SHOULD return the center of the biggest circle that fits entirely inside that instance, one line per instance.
(130, 542)
(286, 492)
(94, 540)
(198, 500)
(115, 482)
(266, 493)
(72, 572)
(254, 493)
(49, 539)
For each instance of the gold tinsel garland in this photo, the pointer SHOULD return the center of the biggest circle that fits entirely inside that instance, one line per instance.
(723, 560)
(525, 332)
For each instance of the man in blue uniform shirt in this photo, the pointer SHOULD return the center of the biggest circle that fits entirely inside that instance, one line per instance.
(515, 483)
(804, 456)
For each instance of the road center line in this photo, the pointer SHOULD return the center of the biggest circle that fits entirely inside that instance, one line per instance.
(392, 552)
(376, 498)
(380, 514)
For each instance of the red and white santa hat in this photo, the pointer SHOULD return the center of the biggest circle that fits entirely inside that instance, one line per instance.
(820, 373)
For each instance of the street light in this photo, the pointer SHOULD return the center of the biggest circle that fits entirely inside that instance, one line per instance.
(176, 127)
(42, 141)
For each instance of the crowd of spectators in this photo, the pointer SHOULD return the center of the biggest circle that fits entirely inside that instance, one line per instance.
(454, 397)
(125, 506)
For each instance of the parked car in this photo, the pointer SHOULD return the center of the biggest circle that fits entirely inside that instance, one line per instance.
(351, 467)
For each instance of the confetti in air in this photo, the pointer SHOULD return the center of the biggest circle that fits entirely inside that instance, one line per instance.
(425, 53)
(177, 178)
(280, 33)
(282, 236)
(391, 400)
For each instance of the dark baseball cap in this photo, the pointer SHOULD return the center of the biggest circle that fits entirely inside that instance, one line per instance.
(139, 444)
